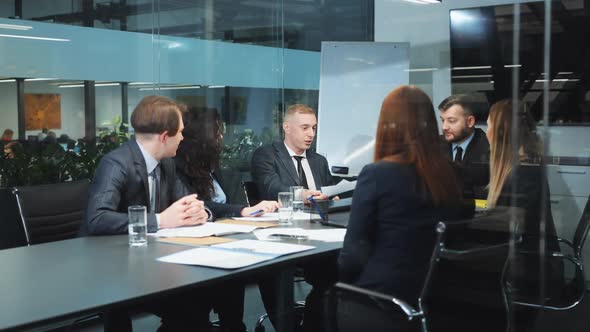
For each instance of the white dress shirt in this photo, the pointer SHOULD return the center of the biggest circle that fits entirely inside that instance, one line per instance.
(305, 166)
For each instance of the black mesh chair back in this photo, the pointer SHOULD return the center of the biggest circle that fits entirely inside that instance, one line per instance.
(569, 294)
(13, 232)
(582, 230)
(52, 212)
(251, 192)
(349, 309)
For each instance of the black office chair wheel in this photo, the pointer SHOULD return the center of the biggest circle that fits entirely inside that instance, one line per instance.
(259, 328)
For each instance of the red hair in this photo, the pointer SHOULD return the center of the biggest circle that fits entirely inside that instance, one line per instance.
(407, 132)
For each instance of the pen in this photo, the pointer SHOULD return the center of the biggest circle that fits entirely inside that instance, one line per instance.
(256, 212)
(289, 236)
(317, 207)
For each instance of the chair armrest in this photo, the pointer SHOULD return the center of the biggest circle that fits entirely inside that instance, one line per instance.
(569, 243)
(579, 281)
(408, 310)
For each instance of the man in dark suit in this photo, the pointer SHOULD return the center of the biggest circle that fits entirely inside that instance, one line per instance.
(141, 172)
(466, 145)
(275, 168)
(280, 165)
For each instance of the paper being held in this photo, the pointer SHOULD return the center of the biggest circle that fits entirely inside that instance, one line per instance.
(342, 187)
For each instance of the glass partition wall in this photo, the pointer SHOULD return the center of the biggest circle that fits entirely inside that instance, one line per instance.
(78, 68)
(92, 61)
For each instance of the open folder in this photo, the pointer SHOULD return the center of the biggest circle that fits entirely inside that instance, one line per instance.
(233, 255)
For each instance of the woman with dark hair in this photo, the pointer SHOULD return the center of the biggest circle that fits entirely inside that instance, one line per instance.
(397, 203)
(197, 162)
(197, 165)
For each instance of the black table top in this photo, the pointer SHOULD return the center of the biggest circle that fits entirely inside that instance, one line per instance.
(60, 280)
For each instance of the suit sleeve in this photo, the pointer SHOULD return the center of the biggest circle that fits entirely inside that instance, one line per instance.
(222, 210)
(359, 240)
(266, 175)
(102, 216)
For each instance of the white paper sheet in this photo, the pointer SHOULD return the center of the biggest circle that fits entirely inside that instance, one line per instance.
(206, 229)
(274, 216)
(215, 257)
(265, 247)
(324, 235)
(342, 187)
(233, 255)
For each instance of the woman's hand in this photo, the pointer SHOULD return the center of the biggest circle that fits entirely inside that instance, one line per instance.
(260, 209)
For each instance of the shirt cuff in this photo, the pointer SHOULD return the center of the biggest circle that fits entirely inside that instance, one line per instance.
(158, 220)
(210, 217)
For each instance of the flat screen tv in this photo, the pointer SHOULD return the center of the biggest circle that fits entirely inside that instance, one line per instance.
(482, 60)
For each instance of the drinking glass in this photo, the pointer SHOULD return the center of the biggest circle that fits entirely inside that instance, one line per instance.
(297, 192)
(137, 225)
(285, 200)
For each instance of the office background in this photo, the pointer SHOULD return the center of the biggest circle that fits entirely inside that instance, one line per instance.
(249, 59)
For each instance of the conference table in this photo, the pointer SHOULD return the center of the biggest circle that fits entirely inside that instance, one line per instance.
(48, 284)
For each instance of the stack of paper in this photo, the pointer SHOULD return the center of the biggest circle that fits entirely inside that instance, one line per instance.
(206, 229)
(234, 255)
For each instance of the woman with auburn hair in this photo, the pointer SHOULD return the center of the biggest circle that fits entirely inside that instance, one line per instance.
(398, 200)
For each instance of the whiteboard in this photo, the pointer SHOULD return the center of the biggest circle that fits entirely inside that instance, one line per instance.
(354, 79)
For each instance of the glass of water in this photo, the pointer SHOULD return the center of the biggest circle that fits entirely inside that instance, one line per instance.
(137, 225)
(285, 200)
(297, 192)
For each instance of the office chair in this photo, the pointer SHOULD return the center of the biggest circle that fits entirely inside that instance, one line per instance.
(13, 232)
(52, 212)
(382, 306)
(445, 248)
(573, 291)
(251, 192)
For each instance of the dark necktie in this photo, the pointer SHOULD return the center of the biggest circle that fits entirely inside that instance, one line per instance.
(155, 174)
(458, 155)
(302, 178)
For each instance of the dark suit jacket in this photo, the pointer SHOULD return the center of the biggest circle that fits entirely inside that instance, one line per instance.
(121, 180)
(219, 210)
(391, 231)
(273, 170)
(523, 189)
(474, 170)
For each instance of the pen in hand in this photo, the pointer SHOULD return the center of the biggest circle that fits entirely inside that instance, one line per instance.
(257, 212)
(317, 207)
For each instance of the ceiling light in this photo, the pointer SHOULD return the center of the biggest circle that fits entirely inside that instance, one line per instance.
(36, 38)
(471, 67)
(39, 79)
(424, 2)
(82, 85)
(180, 87)
(471, 76)
(15, 27)
(413, 70)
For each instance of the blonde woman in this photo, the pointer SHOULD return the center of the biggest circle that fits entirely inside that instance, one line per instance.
(517, 176)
